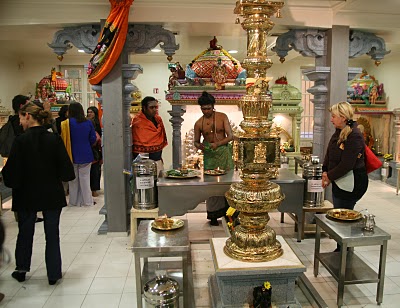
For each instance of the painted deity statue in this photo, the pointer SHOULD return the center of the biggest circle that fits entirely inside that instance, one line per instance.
(219, 75)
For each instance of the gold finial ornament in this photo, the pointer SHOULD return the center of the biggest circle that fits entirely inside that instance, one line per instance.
(237, 20)
(60, 57)
(169, 58)
(377, 62)
(258, 158)
(278, 14)
(282, 59)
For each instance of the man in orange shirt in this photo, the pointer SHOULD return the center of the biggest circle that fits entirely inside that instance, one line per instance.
(148, 132)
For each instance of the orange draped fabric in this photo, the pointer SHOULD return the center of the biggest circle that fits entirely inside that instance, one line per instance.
(146, 137)
(111, 41)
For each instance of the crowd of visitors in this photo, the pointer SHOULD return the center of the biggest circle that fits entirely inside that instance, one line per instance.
(53, 154)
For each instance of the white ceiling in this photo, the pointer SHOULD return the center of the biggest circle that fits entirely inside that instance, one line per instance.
(26, 26)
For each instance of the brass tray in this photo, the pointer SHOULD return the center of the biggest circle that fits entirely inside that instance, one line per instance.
(344, 214)
(190, 175)
(214, 172)
(178, 223)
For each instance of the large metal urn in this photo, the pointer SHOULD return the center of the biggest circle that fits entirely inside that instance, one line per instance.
(144, 183)
(313, 190)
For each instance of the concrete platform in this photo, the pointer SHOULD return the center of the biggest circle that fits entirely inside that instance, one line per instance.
(234, 281)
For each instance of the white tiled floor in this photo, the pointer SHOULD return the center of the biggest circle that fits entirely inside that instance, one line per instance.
(98, 270)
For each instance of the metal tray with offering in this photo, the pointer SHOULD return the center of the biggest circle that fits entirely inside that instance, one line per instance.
(182, 173)
(165, 223)
(216, 171)
(344, 214)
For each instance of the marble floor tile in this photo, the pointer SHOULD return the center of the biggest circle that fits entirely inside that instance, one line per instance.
(95, 265)
(101, 301)
(107, 285)
(64, 301)
(73, 286)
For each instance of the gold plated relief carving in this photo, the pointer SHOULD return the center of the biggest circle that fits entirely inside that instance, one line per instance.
(259, 152)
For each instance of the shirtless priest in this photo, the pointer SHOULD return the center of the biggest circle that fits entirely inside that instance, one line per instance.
(217, 133)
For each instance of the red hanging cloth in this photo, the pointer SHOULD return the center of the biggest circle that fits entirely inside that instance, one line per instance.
(111, 41)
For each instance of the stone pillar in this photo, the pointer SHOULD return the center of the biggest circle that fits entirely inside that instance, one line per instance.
(176, 120)
(320, 76)
(337, 58)
(117, 138)
(396, 149)
(296, 125)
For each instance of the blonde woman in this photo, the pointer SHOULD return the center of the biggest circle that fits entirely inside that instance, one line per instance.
(344, 165)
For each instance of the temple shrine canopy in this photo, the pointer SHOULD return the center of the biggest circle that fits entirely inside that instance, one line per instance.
(213, 70)
(364, 91)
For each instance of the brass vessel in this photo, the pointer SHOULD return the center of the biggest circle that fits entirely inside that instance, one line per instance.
(258, 158)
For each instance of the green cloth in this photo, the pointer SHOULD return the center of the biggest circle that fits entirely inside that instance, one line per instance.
(220, 157)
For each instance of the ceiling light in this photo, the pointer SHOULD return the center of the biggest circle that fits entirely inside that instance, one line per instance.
(155, 50)
(81, 50)
(233, 51)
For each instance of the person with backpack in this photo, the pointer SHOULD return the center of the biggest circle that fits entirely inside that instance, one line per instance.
(12, 128)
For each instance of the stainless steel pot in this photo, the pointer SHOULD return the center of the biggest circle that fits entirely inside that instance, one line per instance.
(161, 292)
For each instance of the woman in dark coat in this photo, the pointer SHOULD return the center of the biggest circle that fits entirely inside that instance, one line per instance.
(345, 158)
(35, 169)
(95, 168)
(62, 115)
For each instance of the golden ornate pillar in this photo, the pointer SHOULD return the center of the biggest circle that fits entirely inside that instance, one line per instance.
(253, 240)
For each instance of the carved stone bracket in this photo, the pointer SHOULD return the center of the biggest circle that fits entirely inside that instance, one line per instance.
(176, 120)
(83, 37)
(367, 43)
(142, 38)
(309, 43)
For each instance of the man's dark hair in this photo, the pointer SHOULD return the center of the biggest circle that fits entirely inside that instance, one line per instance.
(19, 100)
(75, 110)
(145, 102)
(63, 111)
(206, 99)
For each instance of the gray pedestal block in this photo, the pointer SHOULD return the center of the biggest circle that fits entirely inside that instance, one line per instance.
(234, 281)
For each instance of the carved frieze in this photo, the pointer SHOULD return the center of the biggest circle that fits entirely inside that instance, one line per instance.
(367, 43)
(309, 43)
(83, 37)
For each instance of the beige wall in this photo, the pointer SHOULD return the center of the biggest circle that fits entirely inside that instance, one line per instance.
(19, 76)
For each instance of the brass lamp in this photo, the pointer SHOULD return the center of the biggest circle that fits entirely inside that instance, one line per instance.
(258, 158)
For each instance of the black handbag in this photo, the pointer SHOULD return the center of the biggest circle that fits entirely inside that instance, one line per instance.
(96, 154)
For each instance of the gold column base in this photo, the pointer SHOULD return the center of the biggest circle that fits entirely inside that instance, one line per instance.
(253, 240)
(249, 246)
